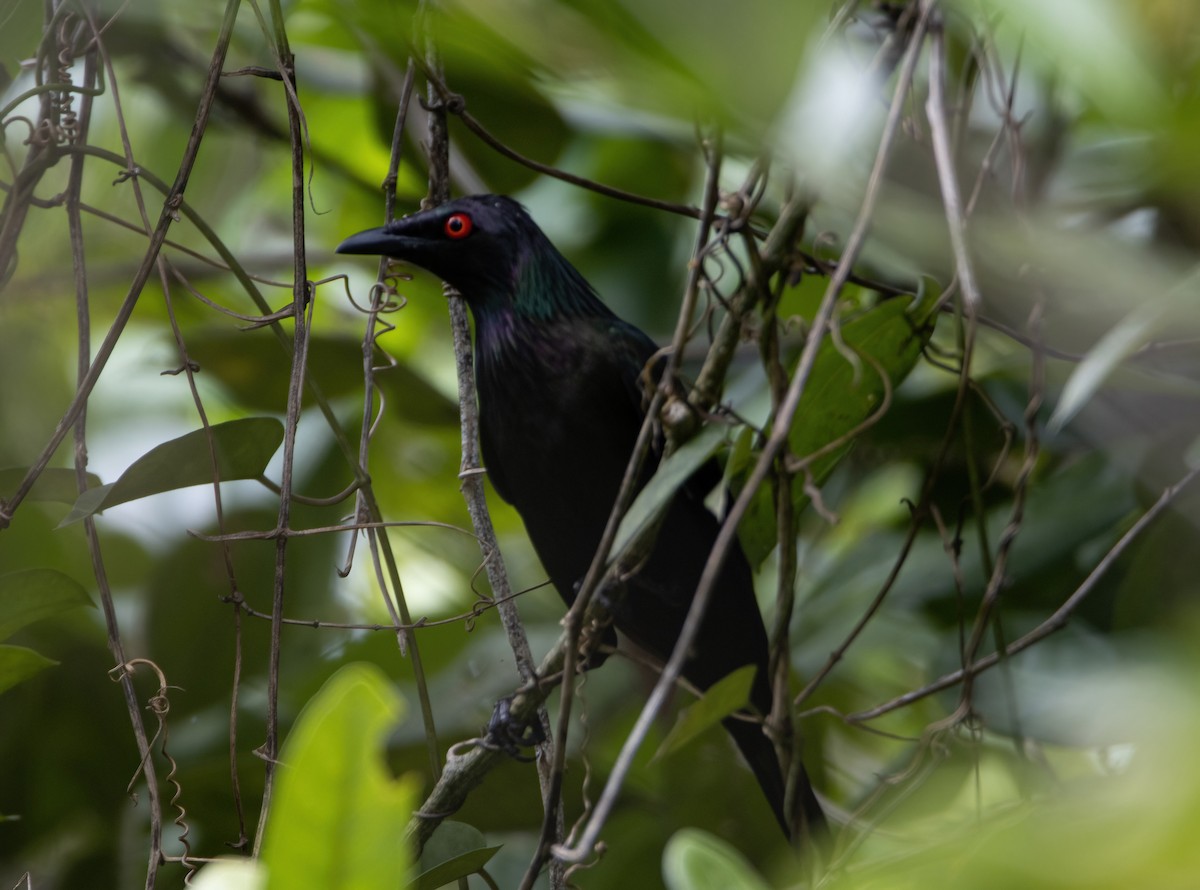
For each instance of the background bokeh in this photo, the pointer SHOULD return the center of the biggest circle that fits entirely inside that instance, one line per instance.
(1075, 128)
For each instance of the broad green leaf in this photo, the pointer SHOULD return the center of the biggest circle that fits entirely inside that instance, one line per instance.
(721, 699)
(54, 483)
(695, 860)
(338, 817)
(29, 596)
(18, 664)
(671, 474)
(242, 448)
(840, 395)
(454, 851)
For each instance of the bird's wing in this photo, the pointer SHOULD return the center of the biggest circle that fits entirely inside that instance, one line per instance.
(636, 351)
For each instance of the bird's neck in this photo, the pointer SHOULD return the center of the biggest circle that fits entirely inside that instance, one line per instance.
(544, 292)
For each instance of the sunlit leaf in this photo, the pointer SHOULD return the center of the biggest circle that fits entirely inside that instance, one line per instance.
(1097, 45)
(338, 816)
(1130, 824)
(242, 449)
(677, 60)
(231, 874)
(695, 860)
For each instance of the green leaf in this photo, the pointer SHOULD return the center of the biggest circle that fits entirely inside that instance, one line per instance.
(1129, 335)
(1093, 46)
(756, 531)
(729, 694)
(671, 474)
(338, 818)
(18, 664)
(454, 851)
(695, 860)
(242, 448)
(29, 596)
(1076, 830)
(53, 484)
(842, 393)
(231, 874)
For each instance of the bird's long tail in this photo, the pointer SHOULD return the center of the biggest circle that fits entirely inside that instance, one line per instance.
(760, 755)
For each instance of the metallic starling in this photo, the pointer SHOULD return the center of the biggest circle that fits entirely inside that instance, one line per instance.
(561, 403)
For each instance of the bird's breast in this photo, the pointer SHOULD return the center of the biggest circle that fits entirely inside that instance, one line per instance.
(557, 427)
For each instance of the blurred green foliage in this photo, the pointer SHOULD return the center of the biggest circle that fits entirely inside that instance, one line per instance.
(1076, 130)
(337, 805)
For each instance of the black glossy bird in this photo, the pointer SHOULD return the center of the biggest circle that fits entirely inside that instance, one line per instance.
(561, 404)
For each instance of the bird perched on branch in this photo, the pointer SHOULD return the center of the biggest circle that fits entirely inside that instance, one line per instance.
(561, 402)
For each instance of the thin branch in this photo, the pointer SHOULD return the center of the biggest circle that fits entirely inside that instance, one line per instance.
(141, 276)
(943, 155)
(99, 570)
(471, 480)
(302, 306)
(456, 104)
(1056, 622)
(596, 575)
(465, 771)
(380, 545)
(783, 421)
(779, 243)
(467, 619)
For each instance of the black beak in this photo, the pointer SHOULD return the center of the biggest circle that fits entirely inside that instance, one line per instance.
(379, 242)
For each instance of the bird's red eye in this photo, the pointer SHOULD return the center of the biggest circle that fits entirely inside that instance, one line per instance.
(458, 226)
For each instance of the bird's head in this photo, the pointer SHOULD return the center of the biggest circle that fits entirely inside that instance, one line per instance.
(482, 245)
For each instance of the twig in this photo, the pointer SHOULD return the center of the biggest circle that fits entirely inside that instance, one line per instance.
(99, 571)
(596, 574)
(471, 481)
(943, 155)
(778, 244)
(376, 531)
(456, 104)
(302, 305)
(166, 217)
(1056, 622)
(727, 535)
